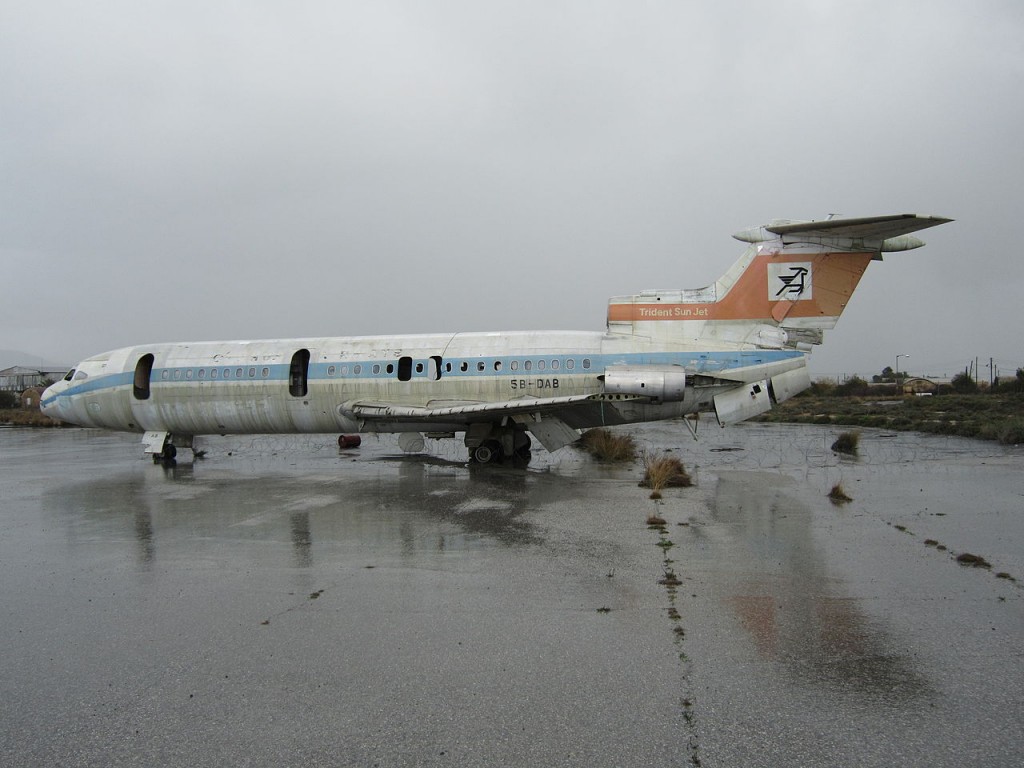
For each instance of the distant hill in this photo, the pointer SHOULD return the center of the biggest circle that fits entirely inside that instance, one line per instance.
(12, 357)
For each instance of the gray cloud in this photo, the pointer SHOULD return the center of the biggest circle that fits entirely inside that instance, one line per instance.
(193, 171)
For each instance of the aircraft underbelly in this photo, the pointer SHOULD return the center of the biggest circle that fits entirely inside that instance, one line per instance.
(237, 411)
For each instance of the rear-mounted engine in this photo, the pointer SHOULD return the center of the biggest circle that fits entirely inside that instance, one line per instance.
(663, 384)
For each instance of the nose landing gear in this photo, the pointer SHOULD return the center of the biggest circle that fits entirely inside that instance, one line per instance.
(163, 446)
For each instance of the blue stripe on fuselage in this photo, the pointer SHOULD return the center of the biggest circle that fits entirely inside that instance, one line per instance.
(693, 362)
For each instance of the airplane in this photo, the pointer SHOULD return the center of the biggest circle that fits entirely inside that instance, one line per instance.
(733, 348)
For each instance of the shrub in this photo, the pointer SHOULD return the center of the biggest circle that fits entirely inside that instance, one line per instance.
(664, 472)
(847, 443)
(853, 386)
(975, 561)
(1012, 432)
(838, 494)
(963, 384)
(822, 387)
(607, 446)
(8, 400)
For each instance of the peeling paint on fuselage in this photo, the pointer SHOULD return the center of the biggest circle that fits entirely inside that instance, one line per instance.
(243, 387)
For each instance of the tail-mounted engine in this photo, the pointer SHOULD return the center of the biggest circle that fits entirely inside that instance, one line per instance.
(663, 384)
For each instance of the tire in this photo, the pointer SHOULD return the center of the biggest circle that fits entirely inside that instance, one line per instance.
(488, 452)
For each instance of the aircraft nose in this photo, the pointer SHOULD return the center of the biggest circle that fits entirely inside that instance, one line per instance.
(49, 403)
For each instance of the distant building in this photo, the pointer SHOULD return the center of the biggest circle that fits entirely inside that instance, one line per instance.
(919, 386)
(19, 378)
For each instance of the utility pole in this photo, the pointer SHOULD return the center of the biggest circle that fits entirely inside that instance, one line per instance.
(897, 374)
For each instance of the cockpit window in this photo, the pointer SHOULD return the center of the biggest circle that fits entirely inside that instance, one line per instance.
(81, 375)
(70, 375)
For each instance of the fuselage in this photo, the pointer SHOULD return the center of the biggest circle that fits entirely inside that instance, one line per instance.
(305, 385)
(736, 347)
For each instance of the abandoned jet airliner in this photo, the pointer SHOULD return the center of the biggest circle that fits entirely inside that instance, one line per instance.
(733, 348)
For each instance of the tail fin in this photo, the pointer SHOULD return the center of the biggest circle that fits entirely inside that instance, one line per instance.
(790, 285)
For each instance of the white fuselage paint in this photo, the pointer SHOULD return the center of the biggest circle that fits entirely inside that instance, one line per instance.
(242, 387)
(736, 347)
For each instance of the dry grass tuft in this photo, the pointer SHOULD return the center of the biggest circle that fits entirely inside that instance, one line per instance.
(663, 472)
(607, 446)
(837, 495)
(976, 561)
(847, 443)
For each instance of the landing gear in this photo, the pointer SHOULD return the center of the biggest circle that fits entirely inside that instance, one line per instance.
(167, 456)
(163, 447)
(491, 444)
(523, 443)
(487, 452)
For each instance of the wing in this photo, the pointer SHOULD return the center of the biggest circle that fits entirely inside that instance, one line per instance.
(554, 421)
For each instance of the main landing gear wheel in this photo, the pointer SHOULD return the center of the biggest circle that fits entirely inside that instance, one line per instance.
(167, 456)
(523, 443)
(487, 452)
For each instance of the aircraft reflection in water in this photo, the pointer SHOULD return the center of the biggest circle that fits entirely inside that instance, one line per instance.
(784, 597)
(417, 512)
(734, 347)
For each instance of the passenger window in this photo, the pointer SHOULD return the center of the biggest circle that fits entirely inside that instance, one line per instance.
(265, 372)
(376, 367)
(464, 367)
(357, 369)
(177, 374)
(497, 365)
(528, 365)
(554, 365)
(188, 374)
(238, 373)
(391, 368)
(570, 363)
(540, 365)
(419, 367)
(202, 373)
(252, 373)
(480, 365)
(586, 363)
(514, 365)
(213, 373)
(331, 370)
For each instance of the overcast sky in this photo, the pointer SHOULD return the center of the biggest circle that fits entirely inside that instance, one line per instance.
(175, 171)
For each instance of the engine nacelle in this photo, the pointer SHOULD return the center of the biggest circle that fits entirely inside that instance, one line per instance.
(663, 384)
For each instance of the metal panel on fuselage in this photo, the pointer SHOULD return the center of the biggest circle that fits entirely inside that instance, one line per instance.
(243, 387)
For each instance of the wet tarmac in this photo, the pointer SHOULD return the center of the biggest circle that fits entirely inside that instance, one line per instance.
(281, 603)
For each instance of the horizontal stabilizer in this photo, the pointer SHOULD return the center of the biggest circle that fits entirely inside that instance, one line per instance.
(870, 233)
(871, 227)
